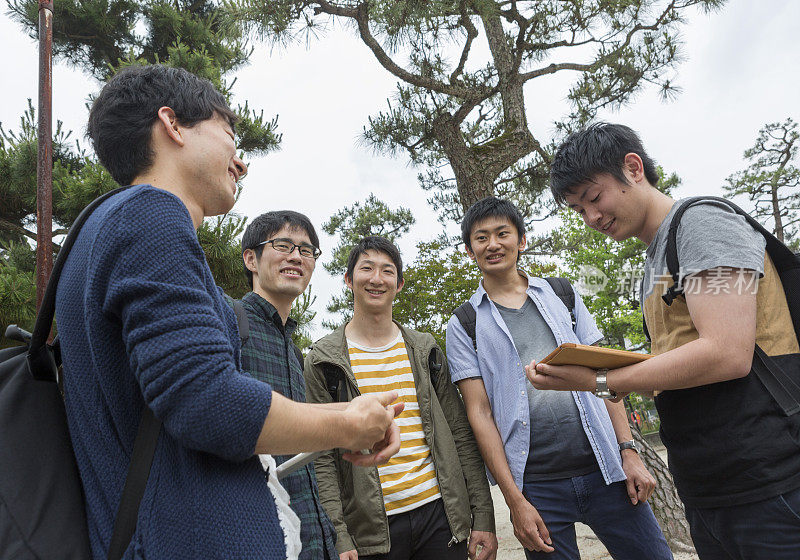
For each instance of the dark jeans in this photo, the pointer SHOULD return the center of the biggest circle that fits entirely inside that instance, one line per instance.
(765, 530)
(629, 532)
(421, 534)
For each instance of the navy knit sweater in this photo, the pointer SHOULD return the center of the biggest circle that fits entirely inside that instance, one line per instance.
(141, 320)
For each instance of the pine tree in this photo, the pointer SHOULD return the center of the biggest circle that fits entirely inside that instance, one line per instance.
(100, 37)
(466, 70)
(772, 180)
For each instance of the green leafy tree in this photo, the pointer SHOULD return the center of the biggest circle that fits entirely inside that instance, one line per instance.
(772, 180)
(100, 37)
(464, 68)
(350, 224)
(302, 313)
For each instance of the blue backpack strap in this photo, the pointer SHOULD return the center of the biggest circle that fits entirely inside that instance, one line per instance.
(466, 315)
(563, 289)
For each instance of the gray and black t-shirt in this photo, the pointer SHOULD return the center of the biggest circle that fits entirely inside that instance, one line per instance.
(559, 446)
(728, 442)
(711, 235)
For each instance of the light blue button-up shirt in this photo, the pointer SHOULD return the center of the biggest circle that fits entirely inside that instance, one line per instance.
(498, 363)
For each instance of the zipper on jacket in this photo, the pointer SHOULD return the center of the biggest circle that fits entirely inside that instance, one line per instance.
(452, 541)
(376, 475)
(432, 394)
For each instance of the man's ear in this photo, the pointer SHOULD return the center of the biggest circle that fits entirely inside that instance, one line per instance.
(167, 124)
(400, 285)
(523, 242)
(469, 252)
(348, 281)
(250, 260)
(633, 168)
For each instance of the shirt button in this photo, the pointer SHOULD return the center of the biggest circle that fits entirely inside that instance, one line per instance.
(522, 393)
(524, 423)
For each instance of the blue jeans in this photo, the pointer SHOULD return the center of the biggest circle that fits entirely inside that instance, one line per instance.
(629, 532)
(765, 530)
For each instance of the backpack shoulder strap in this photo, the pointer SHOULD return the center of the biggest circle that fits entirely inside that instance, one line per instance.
(563, 289)
(435, 364)
(781, 255)
(144, 447)
(334, 382)
(466, 315)
(243, 321)
(299, 354)
(41, 363)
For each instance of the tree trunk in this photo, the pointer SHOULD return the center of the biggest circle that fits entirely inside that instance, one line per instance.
(776, 209)
(665, 502)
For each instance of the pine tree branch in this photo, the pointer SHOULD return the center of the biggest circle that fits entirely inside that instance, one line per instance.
(16, 228)
(552, 68)
(361, 17)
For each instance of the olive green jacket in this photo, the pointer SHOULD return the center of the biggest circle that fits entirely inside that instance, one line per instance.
(352, 495)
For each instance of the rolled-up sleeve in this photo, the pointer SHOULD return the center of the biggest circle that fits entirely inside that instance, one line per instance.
(179, 349)
(462, 359)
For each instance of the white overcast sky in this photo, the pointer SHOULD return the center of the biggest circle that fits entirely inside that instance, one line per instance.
(741, 70)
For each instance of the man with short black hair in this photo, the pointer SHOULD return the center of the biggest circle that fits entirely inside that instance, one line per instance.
(559, 458)
(280, 250)
(142, 324)
(734, 453)
(431, 501)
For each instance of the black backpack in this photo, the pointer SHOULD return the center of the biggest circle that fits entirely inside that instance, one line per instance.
(42, 512)
(781, 382)
(466, 315)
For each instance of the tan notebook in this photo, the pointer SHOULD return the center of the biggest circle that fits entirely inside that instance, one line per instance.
(595, 357)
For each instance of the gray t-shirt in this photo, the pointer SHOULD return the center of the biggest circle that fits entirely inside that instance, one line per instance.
(559, 446)
(710, 235)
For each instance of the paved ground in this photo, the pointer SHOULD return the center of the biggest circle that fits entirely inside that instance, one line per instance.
(590, 546)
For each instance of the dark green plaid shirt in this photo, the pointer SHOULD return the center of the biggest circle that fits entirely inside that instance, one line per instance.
(268, 356)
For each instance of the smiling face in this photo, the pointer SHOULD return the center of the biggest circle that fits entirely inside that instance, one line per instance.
(609, 206)
(281, 277)
(210, 160)
(496, 245)
(374, 282)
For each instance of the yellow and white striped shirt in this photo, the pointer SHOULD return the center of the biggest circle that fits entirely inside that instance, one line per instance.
(408, 480)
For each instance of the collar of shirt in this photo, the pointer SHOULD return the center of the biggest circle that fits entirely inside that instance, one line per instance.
(506, 385)
(269, 312)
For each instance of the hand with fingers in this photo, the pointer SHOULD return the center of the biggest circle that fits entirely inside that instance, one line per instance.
(349, 555)
(640, 483)
(486, 541)
(529, 527)
(564, 378)
(371, 418)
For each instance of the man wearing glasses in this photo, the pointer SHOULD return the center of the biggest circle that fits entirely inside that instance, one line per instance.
(280, 250)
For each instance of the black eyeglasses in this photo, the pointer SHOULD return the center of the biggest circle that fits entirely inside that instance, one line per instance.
(283, 245)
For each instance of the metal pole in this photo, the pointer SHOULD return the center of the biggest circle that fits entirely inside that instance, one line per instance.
(44, 161)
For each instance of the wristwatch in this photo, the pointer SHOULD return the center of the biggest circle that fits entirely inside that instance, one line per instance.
(602, 390)
(628, 445)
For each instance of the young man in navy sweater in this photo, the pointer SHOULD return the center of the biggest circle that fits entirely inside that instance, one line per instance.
(142, 324)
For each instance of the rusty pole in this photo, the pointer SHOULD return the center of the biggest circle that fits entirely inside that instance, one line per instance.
(44, 161)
